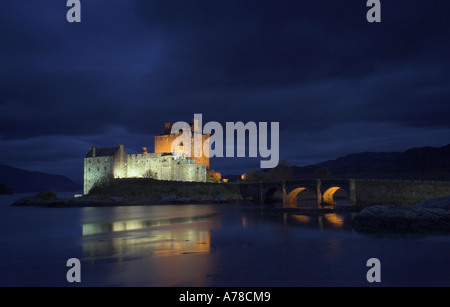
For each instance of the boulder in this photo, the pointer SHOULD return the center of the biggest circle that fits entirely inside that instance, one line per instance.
(437, 203)
(44, 198)
(168, 199)
(429, 216)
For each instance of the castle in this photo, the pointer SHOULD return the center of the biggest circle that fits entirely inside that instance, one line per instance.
(113, 162)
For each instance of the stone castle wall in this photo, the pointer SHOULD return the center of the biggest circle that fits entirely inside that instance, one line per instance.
(123, 165)
(96, 169)
(120, 163)
(165, 167)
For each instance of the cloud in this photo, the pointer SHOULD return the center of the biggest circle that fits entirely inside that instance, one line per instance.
(317, 67)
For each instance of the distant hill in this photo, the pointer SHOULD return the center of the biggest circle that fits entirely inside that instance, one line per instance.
(22, 181)
(424, 163)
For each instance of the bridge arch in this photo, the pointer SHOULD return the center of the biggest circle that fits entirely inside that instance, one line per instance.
(292, 197)
(329, 196)
(273, 195)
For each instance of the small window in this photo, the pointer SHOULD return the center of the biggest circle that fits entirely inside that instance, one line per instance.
(105, 168)
(89, 169)
(98, 169)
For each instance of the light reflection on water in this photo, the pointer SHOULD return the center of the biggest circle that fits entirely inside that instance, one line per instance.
(164, 242)
(175, 235)
(206, 245)
(95, 228)
(148, 250)
(334, 220)
(155, 237)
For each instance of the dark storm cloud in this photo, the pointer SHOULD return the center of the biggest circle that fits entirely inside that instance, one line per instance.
(233, 52)
(317, 67)
(60, 78)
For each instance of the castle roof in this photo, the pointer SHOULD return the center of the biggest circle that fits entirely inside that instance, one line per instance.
(103, 152)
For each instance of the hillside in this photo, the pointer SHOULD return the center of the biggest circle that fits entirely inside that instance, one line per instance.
(424, 163)
(23, 181)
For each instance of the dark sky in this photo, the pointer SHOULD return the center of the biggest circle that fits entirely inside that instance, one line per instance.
(336, 83)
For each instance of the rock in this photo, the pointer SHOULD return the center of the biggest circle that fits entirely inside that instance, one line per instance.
(116, 199)
(168, 199)
(39, 199)
(46, 195)
(442, 203)
(184, 200)
(37, 202)
(429, 216)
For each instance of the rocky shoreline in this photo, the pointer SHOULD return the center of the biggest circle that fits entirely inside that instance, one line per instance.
(50, 200)
(429, 216)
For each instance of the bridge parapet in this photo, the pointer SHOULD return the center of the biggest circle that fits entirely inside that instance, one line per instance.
(398, 192)
(359, 191)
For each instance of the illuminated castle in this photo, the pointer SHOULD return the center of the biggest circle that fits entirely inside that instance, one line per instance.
(164, 141)
(113, 162)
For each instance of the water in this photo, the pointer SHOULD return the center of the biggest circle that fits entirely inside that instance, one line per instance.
(206, 245)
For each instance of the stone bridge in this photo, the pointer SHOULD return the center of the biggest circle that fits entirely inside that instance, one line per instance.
(358, 191)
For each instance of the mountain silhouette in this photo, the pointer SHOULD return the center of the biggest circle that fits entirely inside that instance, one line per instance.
(424, 163)
(23, 181)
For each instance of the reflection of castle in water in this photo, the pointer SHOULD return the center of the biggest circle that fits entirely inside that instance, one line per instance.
(137, 238)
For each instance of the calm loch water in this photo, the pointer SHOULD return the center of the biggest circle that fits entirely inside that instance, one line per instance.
(207, 245)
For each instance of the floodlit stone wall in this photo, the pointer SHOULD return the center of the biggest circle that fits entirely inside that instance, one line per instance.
(159, 166)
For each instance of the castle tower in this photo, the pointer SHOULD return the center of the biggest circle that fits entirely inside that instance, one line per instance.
(163, 143)
(103, 164)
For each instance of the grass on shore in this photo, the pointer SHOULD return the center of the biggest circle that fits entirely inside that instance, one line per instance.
(138, 188)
